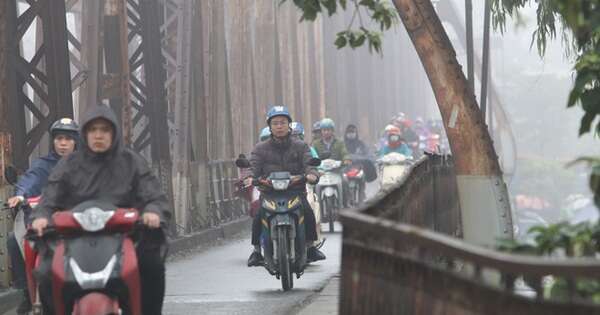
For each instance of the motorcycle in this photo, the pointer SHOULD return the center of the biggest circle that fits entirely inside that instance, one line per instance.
(392, 167)
(283, 237)
(355, 177)
(94, 267)
(329, 189)
(249, 193)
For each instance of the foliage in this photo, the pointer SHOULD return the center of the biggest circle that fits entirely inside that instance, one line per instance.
(579, 240)
(581, 19)
(380, 12)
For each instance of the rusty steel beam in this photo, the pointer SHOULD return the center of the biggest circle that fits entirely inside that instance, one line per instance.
(52, 84)
(148, 92)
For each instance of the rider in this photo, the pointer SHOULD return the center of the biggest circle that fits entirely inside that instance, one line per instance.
(283, 153)
(65, 136)
(353, 144)
(330, 144)
(105, 169)
(395, 143)
(265, 134)
(298, 133)
(316, 132)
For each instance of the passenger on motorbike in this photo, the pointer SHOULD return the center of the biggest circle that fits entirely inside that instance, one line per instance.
(283, 153)
(316, 132)
(265, 134)
(105, 170)
(298, 133)
(396, 144)
(65, 136)
(353, 143)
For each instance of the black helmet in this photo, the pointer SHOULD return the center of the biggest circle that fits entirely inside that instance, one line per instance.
(65, 126)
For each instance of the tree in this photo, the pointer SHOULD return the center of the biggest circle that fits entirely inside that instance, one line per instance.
(579, 24)
(476, 163)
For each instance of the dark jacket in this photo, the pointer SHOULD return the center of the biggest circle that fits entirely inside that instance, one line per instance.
(119, 176)
(289, 155)
(356, 146)
(36, 177)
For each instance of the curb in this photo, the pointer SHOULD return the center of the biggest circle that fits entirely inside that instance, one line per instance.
(9, 299)
(208, 236)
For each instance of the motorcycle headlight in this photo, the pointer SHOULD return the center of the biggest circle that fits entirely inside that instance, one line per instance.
(93, 219)
(269, 204)
(293, 202)
(280, 184)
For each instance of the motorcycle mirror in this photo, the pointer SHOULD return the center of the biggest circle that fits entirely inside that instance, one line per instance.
(314, 162)
(10, 174)
(242, 162)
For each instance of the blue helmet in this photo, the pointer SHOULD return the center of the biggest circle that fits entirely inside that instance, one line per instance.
(278, 111)
(327, 123)
(265, 134)
(297, 128)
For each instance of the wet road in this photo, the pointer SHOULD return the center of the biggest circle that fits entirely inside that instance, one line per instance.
(217, 281)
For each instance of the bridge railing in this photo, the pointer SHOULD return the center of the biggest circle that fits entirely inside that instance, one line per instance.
(400, 256)
(217, 180)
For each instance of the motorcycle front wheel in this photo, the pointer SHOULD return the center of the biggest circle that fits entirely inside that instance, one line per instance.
(330, 206)
(283, 255)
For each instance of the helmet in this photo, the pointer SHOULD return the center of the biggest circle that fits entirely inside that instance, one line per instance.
(393, 130)
(297, 129)
(65, 126)
(389, 127)
(278, 111)
(317, 126)
(265, 133)
(327, 123)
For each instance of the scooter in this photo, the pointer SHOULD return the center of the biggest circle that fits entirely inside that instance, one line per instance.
(392, 167)
(354, 176)
(329, 189)
(94, 266)
(283, 237)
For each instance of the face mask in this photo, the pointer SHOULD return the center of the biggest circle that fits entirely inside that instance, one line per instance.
(394, 138)
(351, 135)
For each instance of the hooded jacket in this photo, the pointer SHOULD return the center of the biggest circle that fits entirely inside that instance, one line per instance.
(288, 155)
(118, 176)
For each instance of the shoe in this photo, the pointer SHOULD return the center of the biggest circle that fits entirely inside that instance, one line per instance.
(313, 254)
(25, 305)
(256, 259)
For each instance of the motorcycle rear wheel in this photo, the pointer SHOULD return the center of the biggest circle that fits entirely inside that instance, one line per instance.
(283, 255)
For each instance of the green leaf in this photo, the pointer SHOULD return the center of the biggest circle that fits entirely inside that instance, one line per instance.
(341, 41)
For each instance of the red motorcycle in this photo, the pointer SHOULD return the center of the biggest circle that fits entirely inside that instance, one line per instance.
(94, 267)
(355, 179)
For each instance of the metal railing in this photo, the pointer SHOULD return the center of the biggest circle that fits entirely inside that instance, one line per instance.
(394, 261)
(222, 204)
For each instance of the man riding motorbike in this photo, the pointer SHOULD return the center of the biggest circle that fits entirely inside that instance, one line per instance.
(105, 170)
(65, 136)
(330, 144)
(283, 153)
